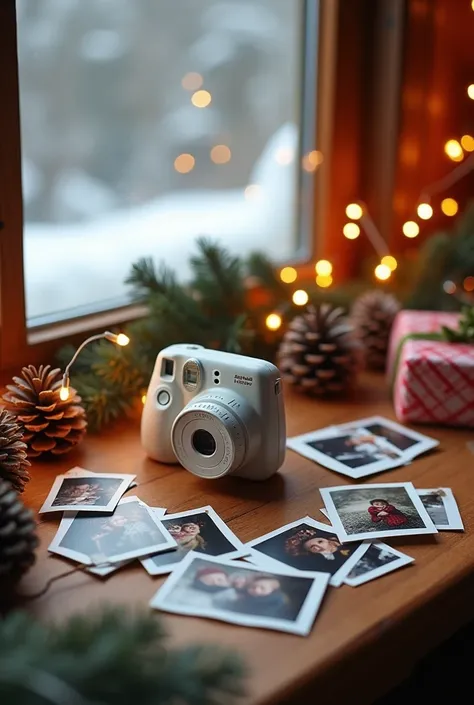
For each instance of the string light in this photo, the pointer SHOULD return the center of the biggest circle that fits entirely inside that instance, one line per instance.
(201, 99)
(192, 81)
(468, 284)
(454, 150)
(470, 91)
(390, 262)
(410, 228)
(221, 154)
(288, 275)
(323, 267)
(354, 211)
(184, 163)
(382, 272)
(351, 231)
(424, 211)
(467, 143)
(300, 297)
(449, 287)
(143, 399)
(312, 160)
(449, 206)
(324, 280)
(273, 321)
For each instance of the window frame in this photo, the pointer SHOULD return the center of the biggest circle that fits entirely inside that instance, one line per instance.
(20, 345)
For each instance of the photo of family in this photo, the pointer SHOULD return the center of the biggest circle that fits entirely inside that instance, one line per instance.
(391, 509)
(200, 530)
(442, 508)
(99, 492)
(309, 546)
(378, 560)
(133, 530)
(242, 594)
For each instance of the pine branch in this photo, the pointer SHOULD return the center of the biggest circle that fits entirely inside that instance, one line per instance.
(260, 266)
(146, 280)
(218, 278)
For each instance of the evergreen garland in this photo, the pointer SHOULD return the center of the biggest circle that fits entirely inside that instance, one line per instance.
(110, 657)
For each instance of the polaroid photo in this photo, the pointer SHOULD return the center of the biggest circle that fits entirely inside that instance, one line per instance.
(356, 452)
(359, 512)
(442, 508)
(82, 472)
(200, 530)
(407, 442)
(132, 531)
(378, 560)
(86, 492)
(240, 593)
(306, 545)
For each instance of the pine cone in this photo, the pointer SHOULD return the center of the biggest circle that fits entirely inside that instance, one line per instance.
(372, 316)
(50, 424)
(318, 353)
(13, 462)
(18, 538)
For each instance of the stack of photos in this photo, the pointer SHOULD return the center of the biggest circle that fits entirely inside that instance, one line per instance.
(236, 592)
(82, 490)
(362, 448)
(378, 560)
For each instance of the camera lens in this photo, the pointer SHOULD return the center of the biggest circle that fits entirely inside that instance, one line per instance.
(203, 442)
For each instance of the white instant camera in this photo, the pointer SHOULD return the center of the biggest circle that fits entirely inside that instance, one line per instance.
(214, 412)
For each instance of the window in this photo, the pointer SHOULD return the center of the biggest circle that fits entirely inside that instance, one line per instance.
(146, 124)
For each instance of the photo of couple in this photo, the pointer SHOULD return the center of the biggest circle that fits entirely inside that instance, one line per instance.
(83, 490)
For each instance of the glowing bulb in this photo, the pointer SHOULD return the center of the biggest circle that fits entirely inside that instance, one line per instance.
(300, 297)
(201, 99)
(192, 81)
(143, 399)
(312, 160)
(472, 5)
(323, 267)
(382, 272)
(454, 150)
(122, 339)
(324, 280)
(351, 231)
(470, 91)
(288, 275)
(410, 228)
(273, 321)
(354, 211)
(449, 287)
(390, 261)
(64, 393)
(253, 192)
(467, 143)
(468, 284)
(184, 163)
(449, 206)
(221, 154)
(424, 211)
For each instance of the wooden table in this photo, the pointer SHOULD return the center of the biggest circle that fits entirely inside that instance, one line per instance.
(365, 639)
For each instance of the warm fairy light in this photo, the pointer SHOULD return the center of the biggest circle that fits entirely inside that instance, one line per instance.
(449, 206)
(273, 321)
(410, 228)
(143, 399)
(221, 154)
(472, 5)
(354, 211)
(382, 272)
(192, 81)
(312, 160)
(300, 297)
(454, 150)
(468, 284)
(288, 275)
(324, 280)
(184, 163)
(284, 156)
(470, 91)
(424, 211)
(449, 287)
(122, 339)
(467, 143)
(323, 267)
(201, 99)
(253, 192)
(390, 261)
(351, 231)
(64, 393)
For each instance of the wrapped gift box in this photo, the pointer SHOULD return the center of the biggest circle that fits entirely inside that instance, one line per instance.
(433, 380)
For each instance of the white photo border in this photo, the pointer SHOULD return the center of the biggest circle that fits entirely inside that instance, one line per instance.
(402, 560)
(302, 625)
(259, 558)
(126, 481)
(333, 516)
(455, 522)
(69, 517)
(239, 548)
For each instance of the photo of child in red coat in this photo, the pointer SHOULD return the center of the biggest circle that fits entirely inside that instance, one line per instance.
(381, 511)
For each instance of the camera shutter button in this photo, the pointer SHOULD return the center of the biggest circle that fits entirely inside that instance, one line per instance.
(163, 397)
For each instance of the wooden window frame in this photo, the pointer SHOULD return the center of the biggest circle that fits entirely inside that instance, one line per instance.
(339, 79)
